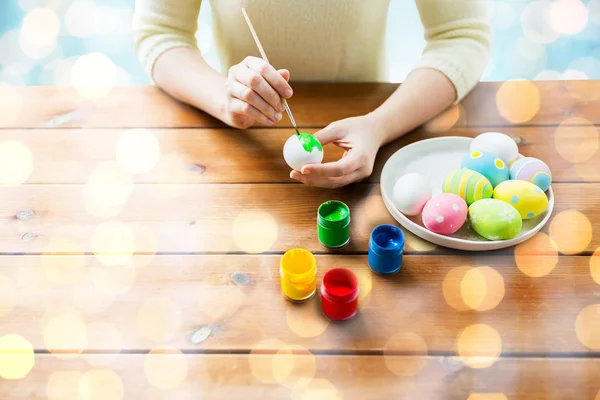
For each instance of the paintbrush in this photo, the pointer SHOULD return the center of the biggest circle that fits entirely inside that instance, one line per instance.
(264, 56)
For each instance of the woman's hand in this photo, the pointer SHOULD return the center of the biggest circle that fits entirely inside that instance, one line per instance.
(254, 90)
(361, 137)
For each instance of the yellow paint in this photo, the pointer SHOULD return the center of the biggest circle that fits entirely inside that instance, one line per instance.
(298, 274)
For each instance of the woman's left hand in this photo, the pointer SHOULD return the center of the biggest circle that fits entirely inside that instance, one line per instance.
(361, 137)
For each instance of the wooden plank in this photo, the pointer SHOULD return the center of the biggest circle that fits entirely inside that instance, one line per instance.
(224, 218)
(165, 299)
(251, 156)
(314, 104)
(315, 377)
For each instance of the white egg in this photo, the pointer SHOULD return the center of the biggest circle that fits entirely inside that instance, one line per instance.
(297, 154)
(411, 192)
(496, 143)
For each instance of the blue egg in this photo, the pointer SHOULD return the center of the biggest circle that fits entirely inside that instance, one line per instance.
(488, 165)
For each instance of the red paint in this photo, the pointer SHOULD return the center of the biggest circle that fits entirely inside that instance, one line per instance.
(339, 294)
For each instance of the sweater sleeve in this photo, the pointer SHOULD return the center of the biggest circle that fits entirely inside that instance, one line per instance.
(160, 25)
(458, 39)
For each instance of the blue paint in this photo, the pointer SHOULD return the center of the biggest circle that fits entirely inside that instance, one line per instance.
(386, 247)
(530, 215)
(514, 199)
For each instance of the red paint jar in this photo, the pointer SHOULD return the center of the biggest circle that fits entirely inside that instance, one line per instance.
(339, 294)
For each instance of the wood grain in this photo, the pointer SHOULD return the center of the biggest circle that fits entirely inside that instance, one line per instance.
(255, 156)
(225, 218)
(313, 104)
(232, 377)
(164, 299)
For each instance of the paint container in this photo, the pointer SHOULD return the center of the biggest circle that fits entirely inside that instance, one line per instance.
(386, 247)
(339, 294)
(333, 224)
(298, 271)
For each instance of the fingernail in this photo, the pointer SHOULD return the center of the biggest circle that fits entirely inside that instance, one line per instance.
(306, 172)
(269, 122)
(288, 92)
(278, 117)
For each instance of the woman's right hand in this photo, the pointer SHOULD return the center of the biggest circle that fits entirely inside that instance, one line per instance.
(254, 90)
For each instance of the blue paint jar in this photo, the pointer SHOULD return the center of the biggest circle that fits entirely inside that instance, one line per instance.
(386, 247)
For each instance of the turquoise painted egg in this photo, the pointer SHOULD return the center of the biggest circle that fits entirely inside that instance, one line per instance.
(527, 198)
(468, 184)
(532, 170)
(495, 219)
(488, 165)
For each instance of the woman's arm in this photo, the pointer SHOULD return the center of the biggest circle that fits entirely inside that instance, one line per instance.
(164, 33)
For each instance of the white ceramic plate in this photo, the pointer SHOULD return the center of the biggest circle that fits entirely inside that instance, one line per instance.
(435, 158)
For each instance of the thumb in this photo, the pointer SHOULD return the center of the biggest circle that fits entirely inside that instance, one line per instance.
(284, 73)
(328, 134)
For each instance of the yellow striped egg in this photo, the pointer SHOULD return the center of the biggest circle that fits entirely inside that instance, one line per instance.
(468, 184)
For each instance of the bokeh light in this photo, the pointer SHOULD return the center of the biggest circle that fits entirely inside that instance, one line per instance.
(571, 231)
(504, 15)
(595, 266)
(63, 385)
(8, 295)
(93, 75)
(16, 162)
(482, 288)
(145, 242)
(254, 231)
(318, 389)
(165, 367)
(452, 288)
(107, 190)
(63, 261)
(294, 367)
(78, 16)
(100, 384)
(568, 17)
(11, 102)
(261, 359)
(479, 346)
(594, 10)
(365, 283)
(537, 256)
(113, 243)
(104, 337)
(39, 32)
(137, 151)
(534, 22)
(113, 280)
(219, 302)
(587, 326)
(487, 396)
(158, 319)
(65, 335)
(89, 298)
(405, 354)
(305, 322)
(16, 357)
(27, 5)
(518, 101)
(585, 145)
(445, 121)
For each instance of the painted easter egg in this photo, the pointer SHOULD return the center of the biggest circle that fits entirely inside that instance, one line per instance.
(496, 143)
(468, 184)
(495, 219)
(445, 213)
(527, 198)
(302, 149)
(532, 170)
(411, 192)
(488, 165)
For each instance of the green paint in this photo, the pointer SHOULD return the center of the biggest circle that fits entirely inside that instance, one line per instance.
(309, 142)
(336, 213)
(333, 224)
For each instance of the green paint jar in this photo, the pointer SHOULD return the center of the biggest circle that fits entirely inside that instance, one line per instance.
(333, 224)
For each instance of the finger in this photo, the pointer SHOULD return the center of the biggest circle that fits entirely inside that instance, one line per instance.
(285, 74)
(328, 134)
(256, 82)
(268, 72)
(238, 106)
(327, 182)
(244, 93)
(342, 167)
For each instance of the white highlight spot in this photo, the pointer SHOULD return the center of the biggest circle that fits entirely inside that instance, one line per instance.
(439, 219)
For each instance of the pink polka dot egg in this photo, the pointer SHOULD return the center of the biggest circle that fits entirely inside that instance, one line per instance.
(445, 213)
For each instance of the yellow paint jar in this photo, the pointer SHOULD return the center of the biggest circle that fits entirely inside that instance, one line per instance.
(298, 271)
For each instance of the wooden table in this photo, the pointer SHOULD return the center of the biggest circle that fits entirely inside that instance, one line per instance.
(164, 284)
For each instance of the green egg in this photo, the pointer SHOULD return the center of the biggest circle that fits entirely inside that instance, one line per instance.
(468, 184)
(495, 219)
